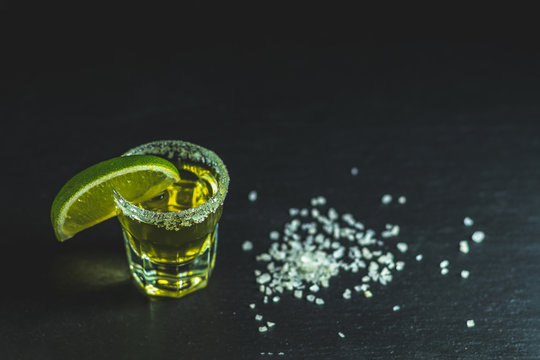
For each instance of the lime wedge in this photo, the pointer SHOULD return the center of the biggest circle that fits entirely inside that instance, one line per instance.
(87, 198)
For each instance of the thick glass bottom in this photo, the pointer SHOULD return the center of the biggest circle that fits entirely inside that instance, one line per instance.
(172, 279)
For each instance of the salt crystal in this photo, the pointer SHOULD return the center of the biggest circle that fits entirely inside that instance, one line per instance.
(419, 257)
(465, 274)
(252, 196)
(468, 221)
(359, 225)
(392, 230)
(444, 271)
(478, 236)
(402, 247)
(341, 335)
(354, 171)
(444, 264)
(383, 259)
(338, 254)
(366, 254)
(247, 245)
(332, 214)
(470, 323)
(319, 301)
(258, 317)
(264, 278)
(464, 246)
(293, 211)
(274, 235)
(402, 200)
(396, 308)
(264, 257)
(263, 329)
(386, 199)
(348, 218)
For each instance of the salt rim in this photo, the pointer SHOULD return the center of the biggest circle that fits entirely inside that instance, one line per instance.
(172, 149)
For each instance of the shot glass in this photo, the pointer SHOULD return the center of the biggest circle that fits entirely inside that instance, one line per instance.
(171, 240)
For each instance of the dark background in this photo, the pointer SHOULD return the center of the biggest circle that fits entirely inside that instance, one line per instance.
(444, 112)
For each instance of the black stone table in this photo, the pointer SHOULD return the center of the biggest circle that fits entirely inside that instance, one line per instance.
(453, 126)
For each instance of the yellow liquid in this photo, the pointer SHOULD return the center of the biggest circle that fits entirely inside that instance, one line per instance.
(174, 262)
(160, 245)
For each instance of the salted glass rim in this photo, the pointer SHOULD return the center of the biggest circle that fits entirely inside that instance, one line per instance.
(173, 149)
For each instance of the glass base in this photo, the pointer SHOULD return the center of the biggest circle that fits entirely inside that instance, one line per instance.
(172, 279)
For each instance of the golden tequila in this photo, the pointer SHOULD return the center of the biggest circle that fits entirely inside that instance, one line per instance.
(171, 239)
